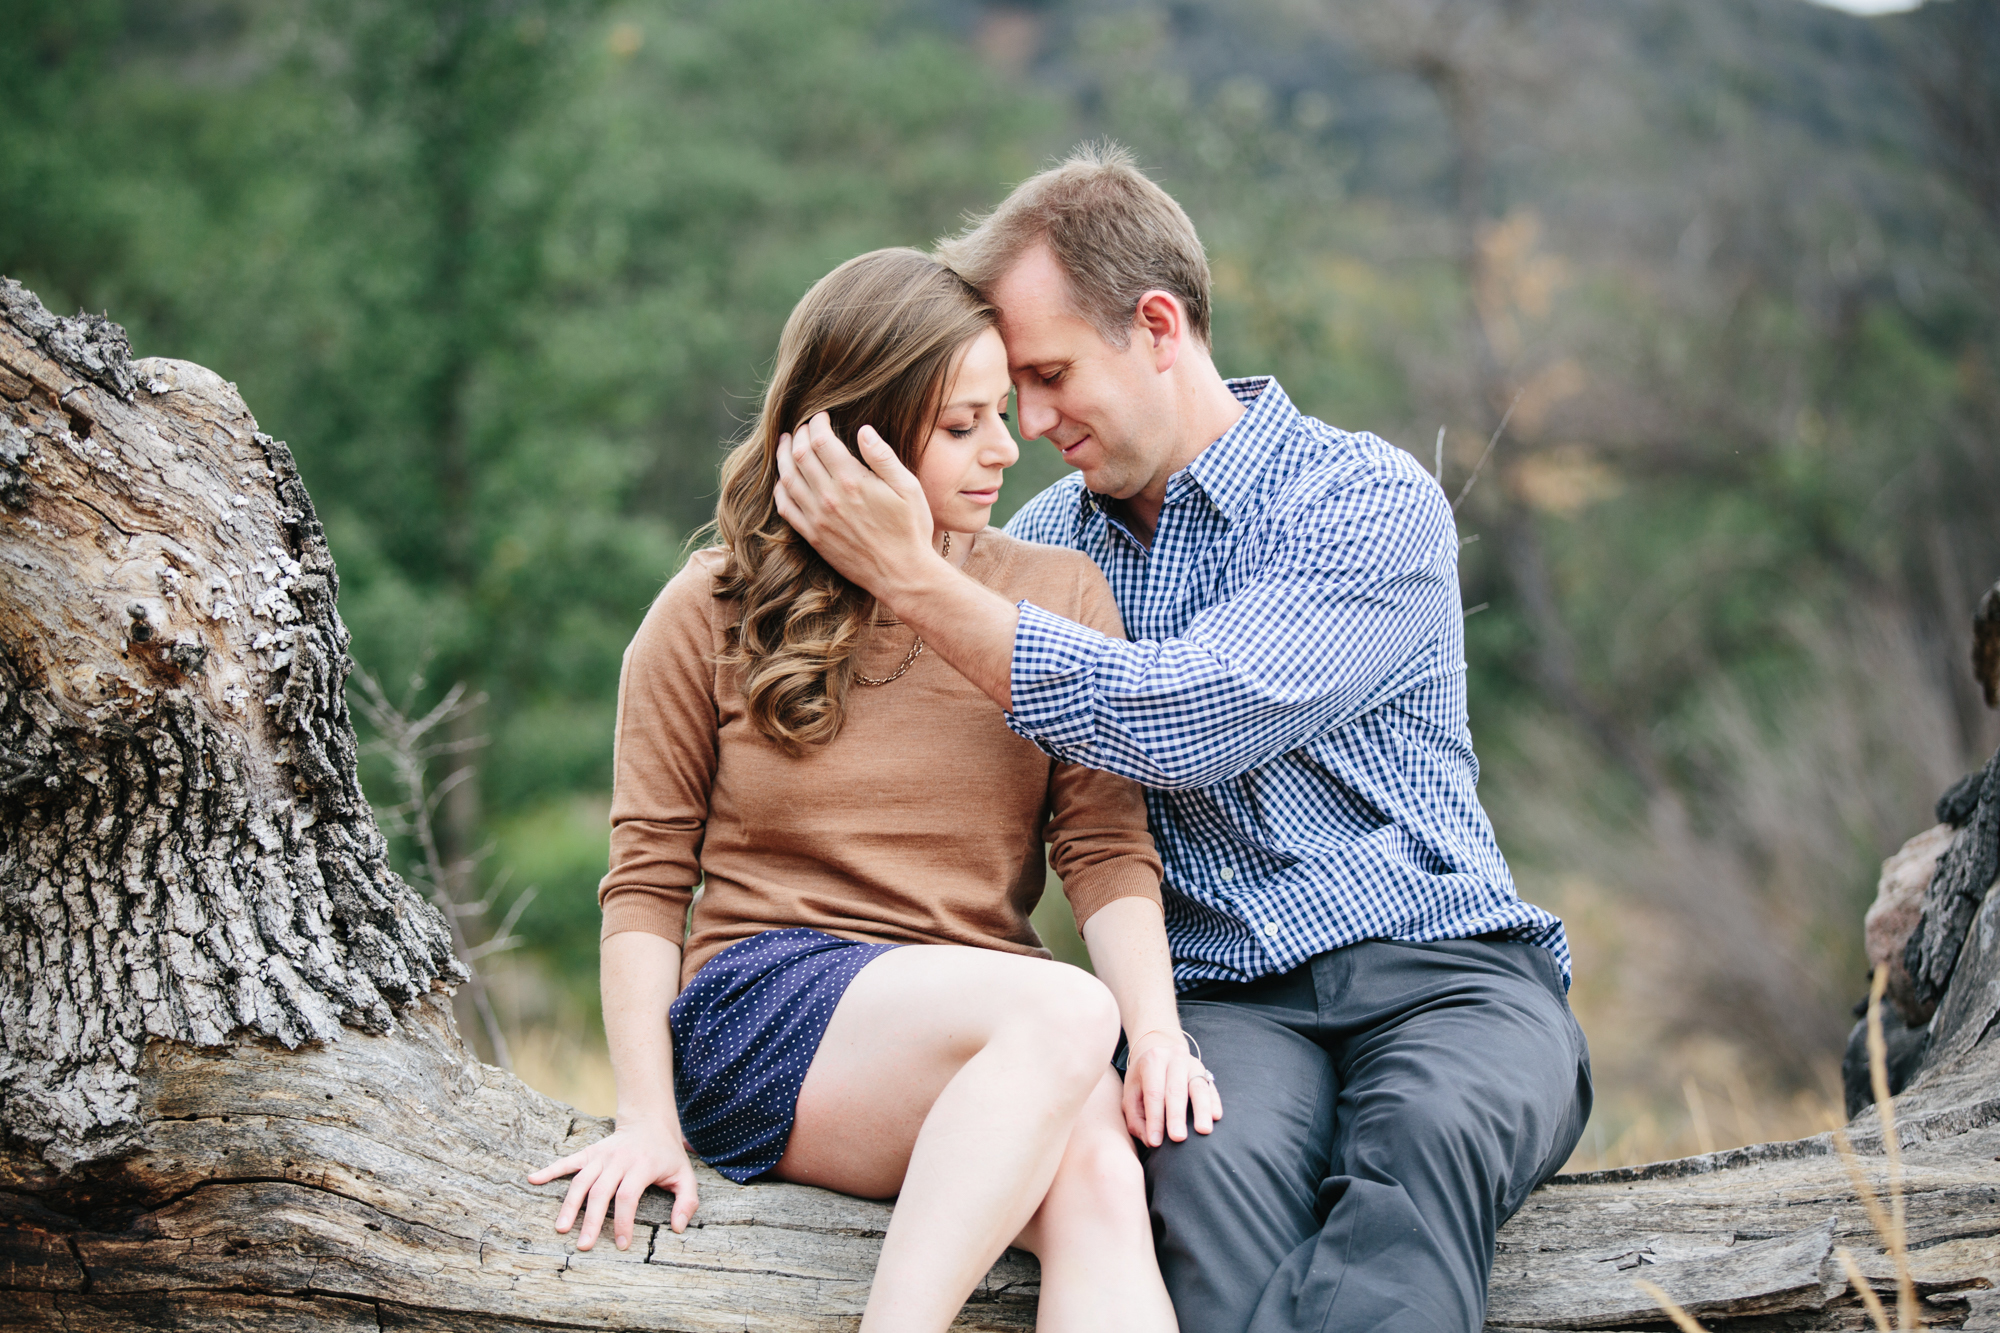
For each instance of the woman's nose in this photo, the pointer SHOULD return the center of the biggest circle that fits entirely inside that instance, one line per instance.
(1000, 450)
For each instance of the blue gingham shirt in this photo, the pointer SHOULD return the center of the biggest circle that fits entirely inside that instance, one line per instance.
(1292, 695)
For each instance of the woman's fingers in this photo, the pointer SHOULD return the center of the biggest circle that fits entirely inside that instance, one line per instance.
(1157, 1083)
(611, 1177)
(578, 1188)
(554, 1169)
(1176, 1096)
(686, 1200)
(1133, 1101)
(601, 1192)
(1167, 1093)
(626, 1209)
(1205, 1100)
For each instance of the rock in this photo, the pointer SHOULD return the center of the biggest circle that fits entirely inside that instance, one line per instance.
(1898, 907)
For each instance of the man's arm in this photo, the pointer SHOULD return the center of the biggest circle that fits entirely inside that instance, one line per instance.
(875, 528)
(1334, 622)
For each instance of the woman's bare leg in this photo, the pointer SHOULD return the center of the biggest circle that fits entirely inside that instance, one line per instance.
(951, 1078)
(1092, 1232)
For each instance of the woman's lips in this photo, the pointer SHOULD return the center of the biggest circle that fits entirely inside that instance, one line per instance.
(985, 497)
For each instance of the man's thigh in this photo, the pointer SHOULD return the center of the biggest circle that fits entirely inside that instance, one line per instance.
(1464, 1082)
(1461, 1060)
(1228, 1207)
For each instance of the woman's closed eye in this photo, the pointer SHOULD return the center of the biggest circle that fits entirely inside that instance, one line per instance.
(965, 432)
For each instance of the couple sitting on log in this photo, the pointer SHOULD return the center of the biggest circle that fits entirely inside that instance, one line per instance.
(857, 717)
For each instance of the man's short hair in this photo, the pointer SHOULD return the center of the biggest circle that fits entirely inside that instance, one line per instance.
(1113, 233)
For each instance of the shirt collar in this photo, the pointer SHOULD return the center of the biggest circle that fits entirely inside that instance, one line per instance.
(1234, 470)
(1231, 470)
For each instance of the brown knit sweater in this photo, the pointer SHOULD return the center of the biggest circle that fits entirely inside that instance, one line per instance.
(921, 823)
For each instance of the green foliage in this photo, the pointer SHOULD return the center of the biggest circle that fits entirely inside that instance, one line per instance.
(506, 276)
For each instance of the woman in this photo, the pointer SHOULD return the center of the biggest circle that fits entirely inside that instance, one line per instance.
(862, 1002)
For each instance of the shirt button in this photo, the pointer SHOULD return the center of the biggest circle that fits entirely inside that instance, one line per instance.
(1271, 929)
(1228, 874)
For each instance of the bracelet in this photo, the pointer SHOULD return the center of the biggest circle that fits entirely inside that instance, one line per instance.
(1195, 1046)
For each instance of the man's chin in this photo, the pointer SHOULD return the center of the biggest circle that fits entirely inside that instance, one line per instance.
(1102, 481)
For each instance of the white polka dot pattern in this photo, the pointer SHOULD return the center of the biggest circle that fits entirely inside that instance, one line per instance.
(745, 1031)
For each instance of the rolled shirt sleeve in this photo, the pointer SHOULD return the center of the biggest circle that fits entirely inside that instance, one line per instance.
(1098, 843)
(1339, 617)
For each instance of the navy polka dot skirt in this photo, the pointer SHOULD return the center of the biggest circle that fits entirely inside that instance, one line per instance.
(745, 1031)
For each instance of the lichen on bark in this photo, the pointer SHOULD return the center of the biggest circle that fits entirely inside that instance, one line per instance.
(185, 851)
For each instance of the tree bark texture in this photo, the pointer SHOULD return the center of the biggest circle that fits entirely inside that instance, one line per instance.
(1957, 887)
(185, 854)
(230, 1088)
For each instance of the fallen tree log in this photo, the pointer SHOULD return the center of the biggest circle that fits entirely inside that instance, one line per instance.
(231, 1094)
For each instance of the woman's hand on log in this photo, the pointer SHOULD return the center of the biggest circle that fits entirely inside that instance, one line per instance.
(617, 1170)
(1164, 1082)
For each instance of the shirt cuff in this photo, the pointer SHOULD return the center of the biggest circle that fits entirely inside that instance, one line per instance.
(1053, 665)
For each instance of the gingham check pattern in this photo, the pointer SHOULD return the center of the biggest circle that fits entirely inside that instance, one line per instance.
(1292, 695)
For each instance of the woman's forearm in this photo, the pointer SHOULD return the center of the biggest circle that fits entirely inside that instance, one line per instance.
(1128, 949)
(1163, 1081)
(640, 975)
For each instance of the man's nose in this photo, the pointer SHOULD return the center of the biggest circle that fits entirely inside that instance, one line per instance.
(1038, 414)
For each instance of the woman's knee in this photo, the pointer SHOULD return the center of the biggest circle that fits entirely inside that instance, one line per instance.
(1105, 1168)
(1071, 1018)
(1099, 1186)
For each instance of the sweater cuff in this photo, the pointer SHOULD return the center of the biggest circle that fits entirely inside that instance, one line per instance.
(1091, 888)
(646, 910)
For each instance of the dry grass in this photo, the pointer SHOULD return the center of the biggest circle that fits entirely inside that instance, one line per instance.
(1891, 1225)
(1717, 930)
(569, 1064)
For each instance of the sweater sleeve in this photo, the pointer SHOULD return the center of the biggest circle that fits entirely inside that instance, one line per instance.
(1098, 843)
(663, 760)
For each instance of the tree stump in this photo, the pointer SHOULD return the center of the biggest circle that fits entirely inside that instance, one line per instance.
(231, 1093)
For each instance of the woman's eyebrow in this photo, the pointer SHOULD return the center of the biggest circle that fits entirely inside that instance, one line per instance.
(977, 403)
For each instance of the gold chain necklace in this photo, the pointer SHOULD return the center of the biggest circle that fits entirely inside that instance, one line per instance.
(916, 646)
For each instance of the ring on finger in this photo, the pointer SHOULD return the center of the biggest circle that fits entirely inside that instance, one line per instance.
(1202, 1076)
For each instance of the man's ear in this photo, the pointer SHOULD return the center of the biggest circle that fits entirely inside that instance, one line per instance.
(1160, 325)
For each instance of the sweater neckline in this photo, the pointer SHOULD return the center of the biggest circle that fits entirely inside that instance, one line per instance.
(992, 557)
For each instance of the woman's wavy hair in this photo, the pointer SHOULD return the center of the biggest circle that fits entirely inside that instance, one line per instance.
(873, 343)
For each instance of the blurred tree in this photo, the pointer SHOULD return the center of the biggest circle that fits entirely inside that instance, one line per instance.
(506, 273)
(507, 276)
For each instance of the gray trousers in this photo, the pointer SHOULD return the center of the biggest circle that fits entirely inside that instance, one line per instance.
(1385, 1108)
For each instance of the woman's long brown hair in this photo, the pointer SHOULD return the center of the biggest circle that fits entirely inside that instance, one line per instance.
(873, 343)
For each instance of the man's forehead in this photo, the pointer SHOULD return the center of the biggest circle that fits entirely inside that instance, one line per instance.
(1038, 319)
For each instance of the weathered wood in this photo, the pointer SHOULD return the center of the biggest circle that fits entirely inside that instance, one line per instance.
(391, 1169)
(184, 849)
(1957, 887)
(233, 1095)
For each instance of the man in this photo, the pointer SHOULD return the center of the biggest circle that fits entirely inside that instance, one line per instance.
(1385, 1019)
